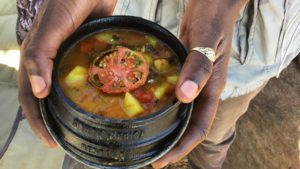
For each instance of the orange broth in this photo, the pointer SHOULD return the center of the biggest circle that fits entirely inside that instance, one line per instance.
(149, 96)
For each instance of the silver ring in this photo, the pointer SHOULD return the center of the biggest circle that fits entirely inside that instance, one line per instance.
(208, 52)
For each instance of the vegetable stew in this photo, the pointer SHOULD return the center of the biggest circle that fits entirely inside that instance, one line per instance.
(120, 73)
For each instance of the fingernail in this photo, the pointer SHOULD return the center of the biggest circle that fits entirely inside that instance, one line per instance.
(52, 144)
(163, 164)
(158, 165)
(38, 83)
(49, 143)
(189, 89)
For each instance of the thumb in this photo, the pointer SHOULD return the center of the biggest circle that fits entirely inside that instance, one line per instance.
(195, 73)
(198, 66)
(48, 31)
(39, 71)
(38, 84)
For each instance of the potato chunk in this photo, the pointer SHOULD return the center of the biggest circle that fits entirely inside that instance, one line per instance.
(161, 90)
(76, 77)
(161, 65)
(172, 79)
(131, 105)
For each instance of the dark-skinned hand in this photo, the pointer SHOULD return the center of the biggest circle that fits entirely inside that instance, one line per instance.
(206, 23)
(55, 21)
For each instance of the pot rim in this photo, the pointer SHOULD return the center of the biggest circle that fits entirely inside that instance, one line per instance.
(113, 20)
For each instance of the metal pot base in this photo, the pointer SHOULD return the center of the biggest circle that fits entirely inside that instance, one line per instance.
(108, 164)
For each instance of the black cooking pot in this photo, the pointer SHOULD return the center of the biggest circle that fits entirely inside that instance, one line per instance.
(103, 142)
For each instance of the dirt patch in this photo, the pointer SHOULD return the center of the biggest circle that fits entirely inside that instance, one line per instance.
(268, 134)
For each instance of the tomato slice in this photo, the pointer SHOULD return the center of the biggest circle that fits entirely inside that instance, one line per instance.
(119, 70)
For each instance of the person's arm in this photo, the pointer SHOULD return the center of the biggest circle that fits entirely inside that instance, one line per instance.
(55, 21)
(206, 23)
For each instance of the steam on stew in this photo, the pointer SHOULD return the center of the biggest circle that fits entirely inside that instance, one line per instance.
(120, 73)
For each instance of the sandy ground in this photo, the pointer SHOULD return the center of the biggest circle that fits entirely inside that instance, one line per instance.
(268, 135)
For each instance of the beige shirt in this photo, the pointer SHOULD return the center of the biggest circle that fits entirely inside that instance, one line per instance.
(266, 37)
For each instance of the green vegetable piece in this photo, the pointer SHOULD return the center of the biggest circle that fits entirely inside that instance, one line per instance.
(161, 65)
(152, 40)
(106, 37)
(161, 90)
(76, 77)
(172, 79)
(131, 105)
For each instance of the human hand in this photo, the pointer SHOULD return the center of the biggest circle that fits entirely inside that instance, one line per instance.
(205, 24)
(55, 21)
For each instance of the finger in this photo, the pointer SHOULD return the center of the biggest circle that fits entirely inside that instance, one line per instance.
(30, 108)
(196, 132)
(39, 71)
(183, 33)
(47, 33)
(205, 108)
(194, 74)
